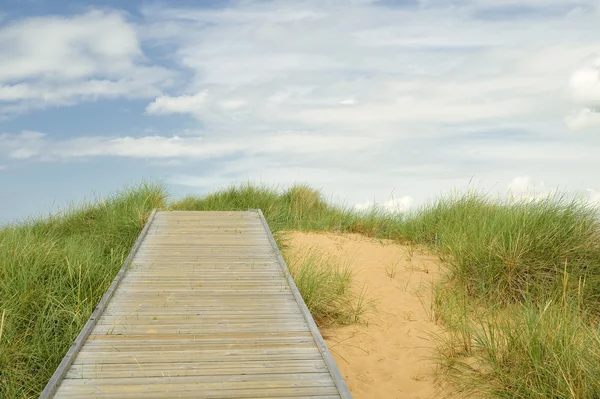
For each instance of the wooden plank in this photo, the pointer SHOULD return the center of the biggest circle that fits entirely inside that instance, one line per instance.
(205, 296)
(206, 256)
(85, 356)
(174, 229)
(196, 369)
(55, 380)
(186, 358)
(199, 306)
(241, 393)
(264, 278)
(206, 323)
(227, 381)
(194, 258)
(139, 308)
(172, 345)
(179, 329)
(216, 266)
(221, 256)
(140, 284)
(191, 318)
(183, 308)
(175, 385)
(232, 225)
(207, 288)
(147, 278)
(213, 269)
(237, 240)
(206, 264)
(266, 312)
(229, 298)
(233, 335)
(207, 249)
(218, 281)
(199, 269)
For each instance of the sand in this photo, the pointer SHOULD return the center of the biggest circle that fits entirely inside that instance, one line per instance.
(390, 355)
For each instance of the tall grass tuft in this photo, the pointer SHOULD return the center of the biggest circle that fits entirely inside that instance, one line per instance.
(521, 304)
(53, 272)
(510, 251)
(535, 349)
(326, 287)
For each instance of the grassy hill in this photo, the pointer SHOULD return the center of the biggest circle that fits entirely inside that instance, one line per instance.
(520, 303)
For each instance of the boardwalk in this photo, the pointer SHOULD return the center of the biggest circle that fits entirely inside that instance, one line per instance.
(203, 308)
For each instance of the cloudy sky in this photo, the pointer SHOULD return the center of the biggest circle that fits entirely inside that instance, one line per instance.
(367, 100)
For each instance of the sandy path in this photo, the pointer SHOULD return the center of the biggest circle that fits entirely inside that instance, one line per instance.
(386, 358)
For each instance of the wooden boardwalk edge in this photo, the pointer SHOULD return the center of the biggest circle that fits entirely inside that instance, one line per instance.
(64, 365)
(329, 361)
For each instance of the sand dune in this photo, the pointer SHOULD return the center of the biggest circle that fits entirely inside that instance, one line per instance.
(387, 357)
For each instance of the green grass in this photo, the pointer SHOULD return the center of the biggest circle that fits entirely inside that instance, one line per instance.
(53, 272)
(326, 287)
(520, 304)
(532, 349)
(510, 251)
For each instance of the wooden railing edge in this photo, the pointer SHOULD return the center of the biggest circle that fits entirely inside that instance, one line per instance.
(329, 361)
(63, 367)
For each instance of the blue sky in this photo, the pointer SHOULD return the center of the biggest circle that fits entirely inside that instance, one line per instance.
(394, 102)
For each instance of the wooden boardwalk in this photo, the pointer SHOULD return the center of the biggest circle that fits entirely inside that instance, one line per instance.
(204, 307)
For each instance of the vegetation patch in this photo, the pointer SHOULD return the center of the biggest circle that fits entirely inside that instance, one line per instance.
(521, 301)
(53, 273)
(326, 287)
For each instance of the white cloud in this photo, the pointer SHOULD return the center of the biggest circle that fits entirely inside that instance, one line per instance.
(583, 119)
(36, 145)
(585, 91)
(520, 184)
(522, 188)
(394, 205)
(355, 68)
(54, 60)
(585, 83)
(594, 196)
(178, 105)
(67, 48)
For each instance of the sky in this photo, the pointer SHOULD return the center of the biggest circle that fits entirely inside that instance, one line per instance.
(393, 102)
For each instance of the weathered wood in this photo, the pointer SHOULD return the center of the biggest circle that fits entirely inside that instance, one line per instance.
(171, 391)
(233, 335)
(187, 329)
(148, 346)
(183, 358)
(229, 381)
(193, 369)
(205, 309)
(139, 308)
(169, 318)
